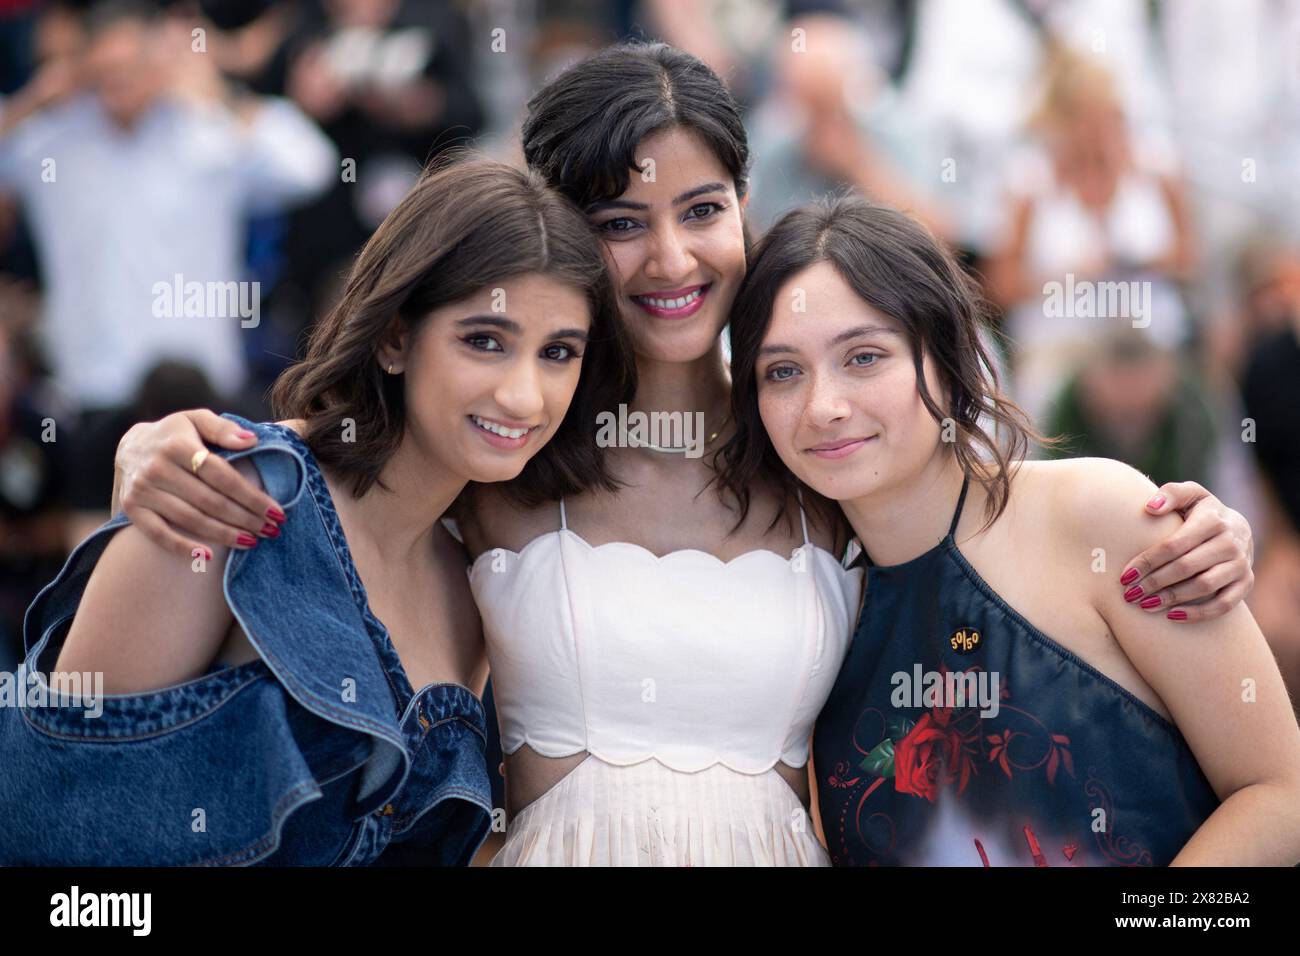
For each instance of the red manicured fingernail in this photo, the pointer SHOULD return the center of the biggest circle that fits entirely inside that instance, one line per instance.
(275, 514)
(1156, 502)
(1152, 601)
(246, 539)
(245, 433)
(1130, 576)
(1133, 593)
(271, 530)
(207, 555)
(1177, 615)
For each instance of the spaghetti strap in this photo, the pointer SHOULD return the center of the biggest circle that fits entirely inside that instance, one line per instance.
(961, 500)
(803, 521)
(564, 521)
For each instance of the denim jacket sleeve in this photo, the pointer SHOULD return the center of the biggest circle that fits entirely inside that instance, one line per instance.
(212, 770)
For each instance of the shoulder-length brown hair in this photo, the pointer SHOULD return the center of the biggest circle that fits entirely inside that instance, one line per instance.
(467, 224)
(897, 267)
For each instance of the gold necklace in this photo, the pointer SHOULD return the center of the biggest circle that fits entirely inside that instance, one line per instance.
(677, 450)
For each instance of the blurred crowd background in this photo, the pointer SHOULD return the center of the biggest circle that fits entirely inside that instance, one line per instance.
(1076, 142)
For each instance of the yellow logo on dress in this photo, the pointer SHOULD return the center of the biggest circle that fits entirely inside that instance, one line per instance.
(966, 640)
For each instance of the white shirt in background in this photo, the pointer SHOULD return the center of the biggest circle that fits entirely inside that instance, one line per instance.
(114, 212)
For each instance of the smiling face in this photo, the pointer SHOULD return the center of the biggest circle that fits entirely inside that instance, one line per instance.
(485, 389)
(837, 390)
(675, 247)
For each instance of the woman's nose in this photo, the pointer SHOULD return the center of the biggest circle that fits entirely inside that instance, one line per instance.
(670, 256)
(825, 403)
(520, 393)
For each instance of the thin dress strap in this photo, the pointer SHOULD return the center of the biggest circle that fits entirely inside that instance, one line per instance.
(961, 500)
(564, 521)
(803, 521)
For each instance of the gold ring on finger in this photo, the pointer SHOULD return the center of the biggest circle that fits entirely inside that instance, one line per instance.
(197, 459)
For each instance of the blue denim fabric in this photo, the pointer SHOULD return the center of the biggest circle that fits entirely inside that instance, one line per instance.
(317, 753)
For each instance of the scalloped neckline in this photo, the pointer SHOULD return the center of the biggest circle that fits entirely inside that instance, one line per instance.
(658, 558)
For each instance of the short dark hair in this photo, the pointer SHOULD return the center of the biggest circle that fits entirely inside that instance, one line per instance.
(109, 13)
(465, 225)
(583, 127)
(895, 265)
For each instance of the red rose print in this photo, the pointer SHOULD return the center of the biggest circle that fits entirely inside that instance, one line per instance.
(925, 759)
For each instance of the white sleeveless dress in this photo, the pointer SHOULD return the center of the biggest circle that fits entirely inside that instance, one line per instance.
(684, 677)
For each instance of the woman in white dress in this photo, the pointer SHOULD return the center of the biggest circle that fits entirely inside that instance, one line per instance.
(657, 667)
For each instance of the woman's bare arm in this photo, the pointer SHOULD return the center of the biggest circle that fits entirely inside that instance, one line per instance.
(148, 618)
(1217, 678)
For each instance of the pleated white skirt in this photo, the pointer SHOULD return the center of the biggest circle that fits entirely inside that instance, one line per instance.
(647, 814)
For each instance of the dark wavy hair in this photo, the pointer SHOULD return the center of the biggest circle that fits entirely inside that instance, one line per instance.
(466, 225)
(897, 267)
(582, 128)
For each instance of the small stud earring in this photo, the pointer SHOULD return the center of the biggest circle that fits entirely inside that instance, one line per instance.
(390, 368)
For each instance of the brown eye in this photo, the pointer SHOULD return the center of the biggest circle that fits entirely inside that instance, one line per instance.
(627, 225)
(483, 343)
(560, 352)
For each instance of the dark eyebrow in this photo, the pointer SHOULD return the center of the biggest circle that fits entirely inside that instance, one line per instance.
(858, 332)
(496, 321)
(677, 200)
(513, 327)
(837, 340)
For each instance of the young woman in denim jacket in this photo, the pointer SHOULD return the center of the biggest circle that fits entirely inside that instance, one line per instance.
(707, 761)
(257, 709)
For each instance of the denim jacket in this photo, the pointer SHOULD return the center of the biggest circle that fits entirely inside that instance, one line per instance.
(316, 753)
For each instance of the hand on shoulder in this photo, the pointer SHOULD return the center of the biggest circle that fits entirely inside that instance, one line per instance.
(1098, 506)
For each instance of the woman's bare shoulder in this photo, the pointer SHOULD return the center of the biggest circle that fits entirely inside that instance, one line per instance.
(1097, 504)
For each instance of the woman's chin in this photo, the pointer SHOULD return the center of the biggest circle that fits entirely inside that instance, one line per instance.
(675, 350)
(845, 487)
(488, 473)
(675, 346)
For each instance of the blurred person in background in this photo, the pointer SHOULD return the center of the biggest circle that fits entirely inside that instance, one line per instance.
(827, 116)
(54, 55)
(34, 472)
(252, 44)
(1136, 402)
(42, 49)
(1270, 386)
(969, 73)
(390, 82)
(167, 387)
(135, 168)
(1266, 274)
(1086, 206)
(257, 39)
(1234, 79)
